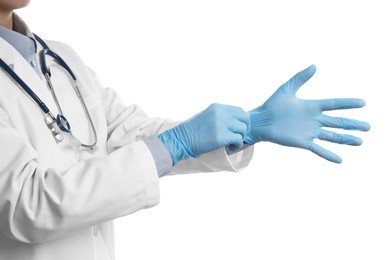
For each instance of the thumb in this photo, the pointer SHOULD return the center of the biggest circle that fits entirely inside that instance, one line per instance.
(299, 79)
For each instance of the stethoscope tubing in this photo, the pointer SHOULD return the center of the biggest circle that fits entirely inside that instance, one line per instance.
(60, 120)
(25, 87)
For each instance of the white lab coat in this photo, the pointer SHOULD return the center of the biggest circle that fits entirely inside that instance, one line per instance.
(58, 202)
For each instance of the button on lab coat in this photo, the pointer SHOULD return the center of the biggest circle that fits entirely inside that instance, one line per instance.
(57, 201)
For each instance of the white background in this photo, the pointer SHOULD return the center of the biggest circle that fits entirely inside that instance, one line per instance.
(174, 58)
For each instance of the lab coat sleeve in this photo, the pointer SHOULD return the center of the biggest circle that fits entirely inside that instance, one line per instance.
(127, 124)
(39, 204)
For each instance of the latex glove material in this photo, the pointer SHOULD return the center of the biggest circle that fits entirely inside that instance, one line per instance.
(216, 127)
(287, 120)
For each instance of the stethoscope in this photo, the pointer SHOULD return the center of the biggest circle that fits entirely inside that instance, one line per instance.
(59, 124)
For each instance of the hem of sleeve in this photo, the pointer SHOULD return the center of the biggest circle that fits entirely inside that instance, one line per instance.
(215, 161)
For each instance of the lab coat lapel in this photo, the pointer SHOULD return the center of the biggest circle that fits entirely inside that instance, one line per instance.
(6, 53)
(21, 67)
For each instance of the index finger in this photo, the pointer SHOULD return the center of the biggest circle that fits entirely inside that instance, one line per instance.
(341, 103)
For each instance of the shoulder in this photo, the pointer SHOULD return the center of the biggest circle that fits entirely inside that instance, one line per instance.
(73, 60)
(63, 49)
(71, 57)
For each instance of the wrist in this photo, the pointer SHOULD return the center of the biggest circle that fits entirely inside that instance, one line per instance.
(174, 146)
(259, 118)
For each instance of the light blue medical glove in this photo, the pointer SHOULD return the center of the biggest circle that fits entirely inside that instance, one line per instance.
(216, 127)
(287, 120)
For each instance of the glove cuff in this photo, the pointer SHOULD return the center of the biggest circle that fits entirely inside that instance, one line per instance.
(174, 147)
(258, 118)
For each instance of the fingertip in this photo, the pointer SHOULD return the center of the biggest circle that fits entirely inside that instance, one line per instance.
(324, 153)
(334, 158)
(313, 67)
(367, 126)
(364, 126)
(307, 73)
(338, 160)
(361, 102)
(358, 141)
(299, 79)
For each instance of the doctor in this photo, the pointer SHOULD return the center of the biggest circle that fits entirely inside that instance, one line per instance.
(73, 157)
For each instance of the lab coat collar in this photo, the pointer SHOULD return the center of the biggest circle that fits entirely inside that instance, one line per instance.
(21, 27)
(20, 37)
(7, 52)
(16, 61)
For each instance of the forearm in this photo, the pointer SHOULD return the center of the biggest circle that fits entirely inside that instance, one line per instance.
(44, 204)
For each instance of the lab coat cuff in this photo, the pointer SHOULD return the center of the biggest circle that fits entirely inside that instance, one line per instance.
(218, 160)
(161, 155)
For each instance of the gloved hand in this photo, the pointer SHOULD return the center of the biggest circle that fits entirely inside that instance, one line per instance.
(287, 120)
(217, 126)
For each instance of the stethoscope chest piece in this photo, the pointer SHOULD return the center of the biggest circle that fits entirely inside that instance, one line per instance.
(54, 125)
(63, 123)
